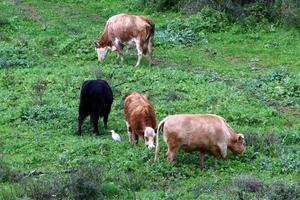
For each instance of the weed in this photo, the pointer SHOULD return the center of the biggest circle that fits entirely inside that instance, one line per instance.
(173, 95)
(40, 86)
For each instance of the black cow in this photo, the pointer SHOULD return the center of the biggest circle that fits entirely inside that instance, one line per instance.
(95, 100)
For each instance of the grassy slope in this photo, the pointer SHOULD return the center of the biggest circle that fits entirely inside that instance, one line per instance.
(59, 42)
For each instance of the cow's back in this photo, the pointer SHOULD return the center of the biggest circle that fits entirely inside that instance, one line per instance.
(127, 27)
(96, 93)
(194, 131)
(139, 112)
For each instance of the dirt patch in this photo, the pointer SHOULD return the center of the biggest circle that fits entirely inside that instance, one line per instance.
(29, 11)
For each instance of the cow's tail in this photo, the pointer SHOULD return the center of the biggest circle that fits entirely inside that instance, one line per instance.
(150, 32)
(160, 125)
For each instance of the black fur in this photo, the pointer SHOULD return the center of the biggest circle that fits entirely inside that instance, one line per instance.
(95, 100)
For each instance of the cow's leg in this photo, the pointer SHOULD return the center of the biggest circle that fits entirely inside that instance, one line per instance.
(105, 120)
(128, 132)
(139, 49)
(172, 152)
(222, 150)
(95, 119)
(105, 117)
(119, 48)
(150, 49)
(201, 160)
(135, 138)
(81, 118)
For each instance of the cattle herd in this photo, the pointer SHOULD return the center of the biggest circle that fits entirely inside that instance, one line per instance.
(205, 133)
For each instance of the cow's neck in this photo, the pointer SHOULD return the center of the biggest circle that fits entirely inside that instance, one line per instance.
(105, 41)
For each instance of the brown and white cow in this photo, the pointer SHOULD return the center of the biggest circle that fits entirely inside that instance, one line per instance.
(121, 29)
(140, 118)
(199, 132)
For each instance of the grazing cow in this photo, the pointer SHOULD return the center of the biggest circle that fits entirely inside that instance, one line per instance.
(199, 132)
(140, 119)
(121, 29)
(95, 100)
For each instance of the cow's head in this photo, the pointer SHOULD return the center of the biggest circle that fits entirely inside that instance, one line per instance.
(101, 51)
(149, 135)
(237, 145)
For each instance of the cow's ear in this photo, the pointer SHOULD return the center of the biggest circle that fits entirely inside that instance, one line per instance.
(241, 137)
(155, 130)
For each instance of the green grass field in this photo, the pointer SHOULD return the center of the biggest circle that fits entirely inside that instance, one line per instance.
(252, 79)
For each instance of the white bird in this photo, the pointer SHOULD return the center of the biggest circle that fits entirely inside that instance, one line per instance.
(115, 136)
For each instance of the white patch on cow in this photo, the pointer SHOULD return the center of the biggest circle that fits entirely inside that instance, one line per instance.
(139, 51)
(129, 133)
(113, 48)
(149, 132)
(101, 52)
(132, 41)
(149, 135)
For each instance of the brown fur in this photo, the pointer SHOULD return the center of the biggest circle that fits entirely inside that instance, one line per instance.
(139, 113)
(125, 28)
(205, 133)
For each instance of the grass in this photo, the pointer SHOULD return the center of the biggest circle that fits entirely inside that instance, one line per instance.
(47, 52)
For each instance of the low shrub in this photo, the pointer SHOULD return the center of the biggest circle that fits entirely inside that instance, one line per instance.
(282, 190)
(86, 183)
(247, 14)
(289, 162)
(268, 144)
(250, 184)
(43, 188)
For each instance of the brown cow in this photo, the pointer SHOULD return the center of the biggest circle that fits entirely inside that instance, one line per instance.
(140, 118)
(199, 132)
(123, 28)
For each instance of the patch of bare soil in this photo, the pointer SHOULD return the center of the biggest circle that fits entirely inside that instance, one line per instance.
(29, 11)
